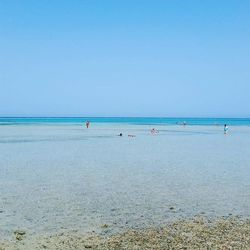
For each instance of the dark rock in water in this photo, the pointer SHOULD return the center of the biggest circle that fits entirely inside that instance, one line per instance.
(104, 226)
(88, 246)
(1, 211)
(19, 234)
(171, 208)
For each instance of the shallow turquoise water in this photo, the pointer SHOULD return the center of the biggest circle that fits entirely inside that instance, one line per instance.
(58, 177)
(128, 120)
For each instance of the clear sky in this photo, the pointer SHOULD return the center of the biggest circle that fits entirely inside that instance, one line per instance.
(125, 58)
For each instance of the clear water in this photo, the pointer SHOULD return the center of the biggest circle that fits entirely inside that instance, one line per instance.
(127, 120)
(56, 176)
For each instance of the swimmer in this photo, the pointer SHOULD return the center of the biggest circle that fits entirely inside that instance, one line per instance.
(225, 129)
(120, 134)
(154, 131)
(131, 135)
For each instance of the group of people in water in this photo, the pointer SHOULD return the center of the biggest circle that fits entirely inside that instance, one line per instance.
(155, 131)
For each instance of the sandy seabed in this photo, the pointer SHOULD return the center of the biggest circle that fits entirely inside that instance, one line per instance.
(197, 233)
(145, 189)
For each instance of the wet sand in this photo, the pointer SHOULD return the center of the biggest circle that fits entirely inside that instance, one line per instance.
(197, 233)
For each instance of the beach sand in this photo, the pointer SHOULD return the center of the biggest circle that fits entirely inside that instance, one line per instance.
(196, 233)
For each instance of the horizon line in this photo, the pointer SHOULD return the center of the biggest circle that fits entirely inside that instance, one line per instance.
(164, 117)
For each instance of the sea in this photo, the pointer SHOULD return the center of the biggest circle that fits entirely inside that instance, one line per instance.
(56, 175)
(126, 120)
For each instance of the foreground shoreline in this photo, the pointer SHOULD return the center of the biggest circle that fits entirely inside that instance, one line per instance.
(197, 233)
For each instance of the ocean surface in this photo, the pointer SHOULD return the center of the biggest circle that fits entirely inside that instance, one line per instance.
(126, 120)
(56, 175)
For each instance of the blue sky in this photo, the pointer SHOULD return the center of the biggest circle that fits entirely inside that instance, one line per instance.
(125, 58)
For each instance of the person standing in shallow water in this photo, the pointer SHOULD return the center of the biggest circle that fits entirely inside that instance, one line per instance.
(225, 129)
(87, 124)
